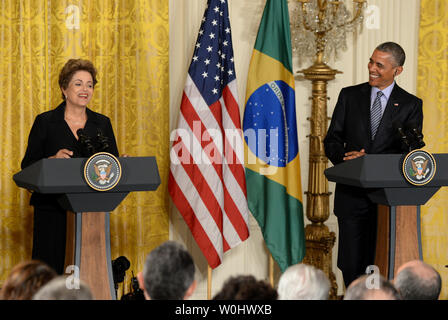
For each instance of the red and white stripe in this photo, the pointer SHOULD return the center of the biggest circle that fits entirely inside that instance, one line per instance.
(207, 181)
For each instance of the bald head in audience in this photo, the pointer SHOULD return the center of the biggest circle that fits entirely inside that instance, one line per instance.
(58, 289)
(416, 280)
(367, 287)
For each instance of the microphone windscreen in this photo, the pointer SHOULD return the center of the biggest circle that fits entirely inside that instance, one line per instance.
(80, 132)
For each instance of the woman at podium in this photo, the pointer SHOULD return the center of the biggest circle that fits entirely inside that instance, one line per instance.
(70, 130)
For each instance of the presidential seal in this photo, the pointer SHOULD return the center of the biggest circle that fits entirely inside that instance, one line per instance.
(102, 171)
(419, 167)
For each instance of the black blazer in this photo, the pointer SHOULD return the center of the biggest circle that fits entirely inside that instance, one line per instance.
(50, 133)
(350, 131)
(350, 125)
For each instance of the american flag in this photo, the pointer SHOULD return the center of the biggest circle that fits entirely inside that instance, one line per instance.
(207, 181)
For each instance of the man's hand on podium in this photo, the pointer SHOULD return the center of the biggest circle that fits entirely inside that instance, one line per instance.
(354, 154)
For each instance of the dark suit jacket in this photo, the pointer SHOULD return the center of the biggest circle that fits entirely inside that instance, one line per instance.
(50, 133)
(350, 130)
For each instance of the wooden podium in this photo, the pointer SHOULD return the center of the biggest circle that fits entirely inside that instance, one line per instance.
(88, 228)
(399, 229)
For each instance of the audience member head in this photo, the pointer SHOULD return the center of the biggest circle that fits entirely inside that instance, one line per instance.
(303, 282)
(246, 288)
(168, 273)
(57, 289)
(25, 279)
(416, 280)
(371, 287)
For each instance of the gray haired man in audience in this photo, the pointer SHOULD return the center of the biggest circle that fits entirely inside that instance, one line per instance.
(303, 282)
(168, 273)
(365, 289)
(57, 289)
(416, 280)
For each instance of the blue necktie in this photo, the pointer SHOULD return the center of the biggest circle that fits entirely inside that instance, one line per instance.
(376, 114)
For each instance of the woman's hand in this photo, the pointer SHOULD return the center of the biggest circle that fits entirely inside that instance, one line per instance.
(62, 154)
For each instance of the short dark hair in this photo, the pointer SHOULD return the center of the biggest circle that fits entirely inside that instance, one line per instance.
(168, 272)
(395, 49)
(71, 67)
(246, 288)
(414, 287)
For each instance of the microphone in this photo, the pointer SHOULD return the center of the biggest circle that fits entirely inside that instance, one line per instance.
(85, 142)
(417, 135)
(103, 141)
(405, 143)
(119, 267)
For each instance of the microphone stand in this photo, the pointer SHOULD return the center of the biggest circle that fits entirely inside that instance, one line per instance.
(418, 137)
(85, 142)
(404, 139)
(102, 140)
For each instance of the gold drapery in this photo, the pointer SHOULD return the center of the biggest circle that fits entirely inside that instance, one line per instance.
(432, 87)
(128, 43)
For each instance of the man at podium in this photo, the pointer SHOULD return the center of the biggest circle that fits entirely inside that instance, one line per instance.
(70, 130)
(365, 120)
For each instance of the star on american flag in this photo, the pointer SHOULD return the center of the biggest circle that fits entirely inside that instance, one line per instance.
(214, 49)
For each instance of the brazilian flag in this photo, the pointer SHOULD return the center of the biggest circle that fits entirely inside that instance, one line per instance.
(272, 162)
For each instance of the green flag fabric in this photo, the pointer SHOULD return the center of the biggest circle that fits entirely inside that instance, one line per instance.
(272, 159)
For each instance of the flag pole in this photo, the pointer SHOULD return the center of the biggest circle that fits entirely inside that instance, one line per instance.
(271, 270)
(209, 282)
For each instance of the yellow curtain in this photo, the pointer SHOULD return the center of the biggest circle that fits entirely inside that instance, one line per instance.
(432, 87)
(128, 43)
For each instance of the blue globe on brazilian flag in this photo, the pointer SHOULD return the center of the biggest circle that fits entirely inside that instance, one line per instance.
(266, 110)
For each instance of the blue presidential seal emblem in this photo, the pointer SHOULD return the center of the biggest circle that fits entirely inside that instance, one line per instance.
(102, 171)
(419, 167)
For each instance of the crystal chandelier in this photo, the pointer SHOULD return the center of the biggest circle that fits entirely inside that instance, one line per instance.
(319, 27)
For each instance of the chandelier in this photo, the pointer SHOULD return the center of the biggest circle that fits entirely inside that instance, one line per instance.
(319, 27)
